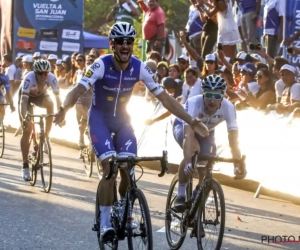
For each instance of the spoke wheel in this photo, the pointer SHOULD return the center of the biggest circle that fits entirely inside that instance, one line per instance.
(45, 163)
(211, 218)
(2, 139)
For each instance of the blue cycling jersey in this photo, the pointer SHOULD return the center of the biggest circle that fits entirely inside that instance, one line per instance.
(112, 88)
(4, 85)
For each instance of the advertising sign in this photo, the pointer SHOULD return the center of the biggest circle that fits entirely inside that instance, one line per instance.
(51, 26)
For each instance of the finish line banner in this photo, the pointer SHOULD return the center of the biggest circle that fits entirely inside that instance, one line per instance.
(48, 26)
(292, 25)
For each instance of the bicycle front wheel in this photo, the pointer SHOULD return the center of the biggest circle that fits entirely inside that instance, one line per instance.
(2, 139)
(139, 230)
(88, 160)
(175, 228)
(211, 218)
(46, 165)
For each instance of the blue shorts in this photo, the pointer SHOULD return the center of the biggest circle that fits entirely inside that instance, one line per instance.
(207, 144)
(101, 126)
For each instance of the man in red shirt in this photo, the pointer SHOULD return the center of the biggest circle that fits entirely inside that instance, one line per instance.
(153, 25)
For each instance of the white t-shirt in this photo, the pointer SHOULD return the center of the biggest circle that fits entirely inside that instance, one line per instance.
(292, 93)
(279, 87)
(253, 88)
(11, 72)
(190, 91)
(195, 107)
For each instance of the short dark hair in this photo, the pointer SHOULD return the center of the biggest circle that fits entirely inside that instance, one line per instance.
(155, 54)
(192, 71)
(8, 57)
(261, 66)
(280, 62)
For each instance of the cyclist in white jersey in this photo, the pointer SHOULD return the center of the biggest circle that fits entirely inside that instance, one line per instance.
(212, 109)
(34, 91)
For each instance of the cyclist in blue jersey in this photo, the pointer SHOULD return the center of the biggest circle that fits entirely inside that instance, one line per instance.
(112, 78)
(5, 95)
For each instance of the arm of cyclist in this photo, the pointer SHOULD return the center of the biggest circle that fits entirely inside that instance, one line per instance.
(169, 102)
(55, 89)
(159, 118)
(93, 73)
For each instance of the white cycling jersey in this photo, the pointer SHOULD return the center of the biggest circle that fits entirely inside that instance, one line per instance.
(30, 87)
(195, 107)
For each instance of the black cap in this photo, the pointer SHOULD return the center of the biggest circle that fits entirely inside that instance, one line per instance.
(169, 83)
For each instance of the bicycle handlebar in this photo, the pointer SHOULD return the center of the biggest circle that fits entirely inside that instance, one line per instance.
(135, 159)
(28, 115)
(214, 158)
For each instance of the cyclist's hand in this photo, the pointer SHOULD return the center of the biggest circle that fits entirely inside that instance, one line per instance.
(199, 127)
(240, 171)
(188, 169)
(59, 117)
(149, 122)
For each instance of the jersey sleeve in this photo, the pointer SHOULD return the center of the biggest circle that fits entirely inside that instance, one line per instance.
(53, 83)
(26, 85)
(150, 80)
(229, 115)
(6, 83)
(93, 73)
(295, 92)
(192, 107)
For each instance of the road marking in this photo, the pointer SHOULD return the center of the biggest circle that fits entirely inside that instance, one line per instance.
(162, 230)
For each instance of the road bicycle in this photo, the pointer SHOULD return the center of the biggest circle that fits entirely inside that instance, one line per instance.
(2, 135)
(204, 213)
(121, 215)
(40, 150)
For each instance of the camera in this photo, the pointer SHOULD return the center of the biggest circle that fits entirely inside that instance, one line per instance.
(290, 50)
(254, 47)
(220, 47)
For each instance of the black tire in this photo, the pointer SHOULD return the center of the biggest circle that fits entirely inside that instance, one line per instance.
(99, 169)
(33, 160)
(2, 139)
(46, 166)
(87, 160)
(168, 219)
(205, 222)
(144, 227)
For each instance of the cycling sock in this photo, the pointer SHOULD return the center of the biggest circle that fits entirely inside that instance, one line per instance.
(105, 216)
(181, 189)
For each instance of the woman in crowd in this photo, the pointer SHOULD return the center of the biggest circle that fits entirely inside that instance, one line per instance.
(60, 74)
(265, 95)
(27, 62)
(174, 72)
(80, 65)
(94, 52)
(162, 70)
(67, 65)
(210, 65)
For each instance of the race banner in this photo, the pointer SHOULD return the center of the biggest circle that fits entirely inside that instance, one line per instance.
(292, 25)
(48, 26)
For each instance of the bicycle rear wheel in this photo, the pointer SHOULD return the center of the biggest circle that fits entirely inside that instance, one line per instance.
(2, 139)
(46, 165)
(175, 229)
(88, 160)
(211, 218)
(142, 226)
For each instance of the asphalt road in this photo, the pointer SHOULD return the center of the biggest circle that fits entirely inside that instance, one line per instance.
(31, 219)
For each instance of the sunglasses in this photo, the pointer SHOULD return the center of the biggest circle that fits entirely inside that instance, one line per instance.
(121, 41)
(211, 96)
(209, 62)
(182, 62)
(42, 73)
(79, 60)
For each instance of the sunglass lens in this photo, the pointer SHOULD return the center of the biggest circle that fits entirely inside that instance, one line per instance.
(121, 41)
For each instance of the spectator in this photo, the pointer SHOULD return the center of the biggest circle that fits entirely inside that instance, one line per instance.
(73, 67)
(153, 26)
(174, 72)
(67, 65)
(242, 58)
(228, 34)
(250, 10)
(10, 72)
(162, 70)
(80, 65)
(27, 65)
(19, 66)
(36, 56)
(52, 60)
(94, 52)
(256, 58)
(123, 11)
(274, 12)
(191, 86)
(279, 85)
(155, 56)
(194, 27)
(60, 73)
(261, 66)
(291, 94)
(266, 93)
(183, 63)
(210, 65)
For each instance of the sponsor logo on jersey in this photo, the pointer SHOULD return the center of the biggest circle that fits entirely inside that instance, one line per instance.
(148, 70)
(122, 99)
(111, 77)
(26, 84)
(154, 78)
(95, 66)
(131, 70)
(89, 73)
(130, 78)
(110, 98)
(111, 69)
(117, 89)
